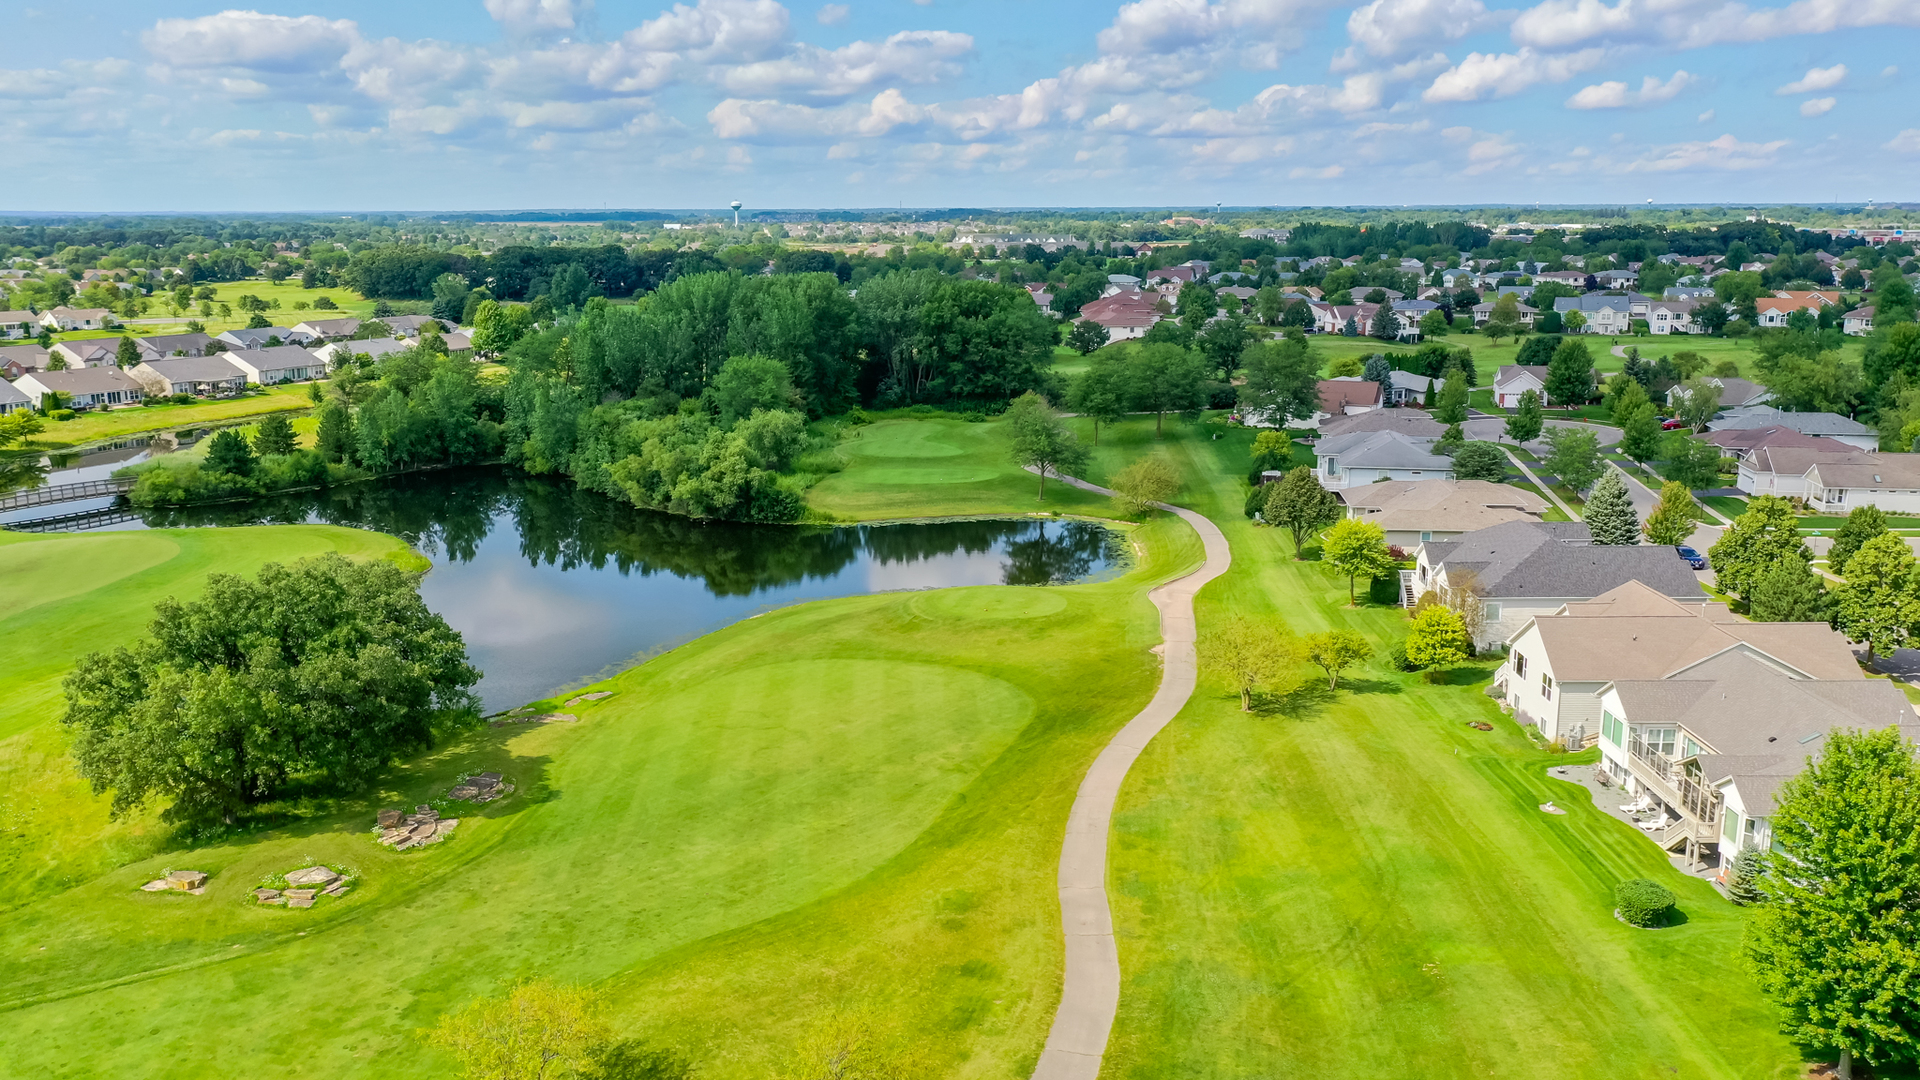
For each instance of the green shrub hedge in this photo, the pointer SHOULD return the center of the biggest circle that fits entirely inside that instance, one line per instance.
(1643, 903)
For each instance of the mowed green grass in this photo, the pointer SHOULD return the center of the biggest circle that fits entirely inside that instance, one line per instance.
(62, 596)
(938, 468)
(1362, 886)
(106, 425)
(853, 803)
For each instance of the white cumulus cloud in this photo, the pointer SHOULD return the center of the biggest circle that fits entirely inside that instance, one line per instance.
(1692, 24)
(1390, 28)
(538, 16)
(832, 14)
(1816, 79)
(249, 39)
(1616, 95)
(1817, 106)
(1497, 75)
(1724, 154)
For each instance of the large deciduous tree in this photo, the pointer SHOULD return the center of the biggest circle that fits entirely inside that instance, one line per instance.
(1863, 524)
(1834, 940)
(1759, 538)
(1790, 591)
(1573, 455)
(1878, 604)
(1251, 654)
(1297, 503)
(1163, 379)
(324, 668)
(1100, 392)
(1570, 373)
(1282, 381)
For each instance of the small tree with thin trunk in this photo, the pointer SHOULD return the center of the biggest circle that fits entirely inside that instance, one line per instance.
(1672, 521)
(1298, 504)
(1335, 651)
(1041, 441)
(1147, 481)
(1250, 654)
(1355, 549)
(1527, 420)
(1834, 940)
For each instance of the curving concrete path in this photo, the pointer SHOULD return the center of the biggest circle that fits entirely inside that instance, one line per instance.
(1091, 994)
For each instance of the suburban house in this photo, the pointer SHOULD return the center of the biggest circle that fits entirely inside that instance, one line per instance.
(1332, 318)
(17, 360)
(1837, 484)
(11, 398)
(66, 318)
(1406, 388)
(1686, 292)
(409, 325)
(1484, 311)
(164, 345)
(1414, 511)
(1824, 297)
(85, 388)
(1362, 457)
(1513, 380)
(325, 329)
(334, 352)
(1671, 316)
(1558, 662)
(93, 352)
(1410, 422)
(280, 364)
(1617, 279)
(1743, 442)
(1349, 394)
(1775, 310)
(257, 338)
(1858, 322)
(1827, 425)
(1734, 393)
(1711, 743)
(1604, 313)
(1575, 278)
(18, 324)
(458, 341)
(1123, 315)
(1041, 299)
(1522, 570)
(201, 376)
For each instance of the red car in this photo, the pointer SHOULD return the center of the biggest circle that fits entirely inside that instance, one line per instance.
(1671, 424)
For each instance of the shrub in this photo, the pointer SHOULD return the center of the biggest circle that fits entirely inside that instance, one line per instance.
(60, 415)
(1642, 903)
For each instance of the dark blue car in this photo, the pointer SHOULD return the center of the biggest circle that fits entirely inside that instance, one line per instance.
(1693, 558)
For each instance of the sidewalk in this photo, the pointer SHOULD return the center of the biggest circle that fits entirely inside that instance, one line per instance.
(1535, 480)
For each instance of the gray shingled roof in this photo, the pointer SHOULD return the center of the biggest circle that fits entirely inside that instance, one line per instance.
(215, 368)
(1382, 450)
(1806, 423)
(10, 395)
(1412, 422)
(1554, 559)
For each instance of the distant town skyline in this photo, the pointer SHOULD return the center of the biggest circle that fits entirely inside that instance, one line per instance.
(977, 103)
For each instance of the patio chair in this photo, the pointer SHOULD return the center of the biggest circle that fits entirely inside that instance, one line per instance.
(1655, 824)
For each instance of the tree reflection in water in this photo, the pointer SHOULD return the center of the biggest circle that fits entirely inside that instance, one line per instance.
(448, 514)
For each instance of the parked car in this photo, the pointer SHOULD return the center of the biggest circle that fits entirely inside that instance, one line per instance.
(1672, 423)
(1692, 557)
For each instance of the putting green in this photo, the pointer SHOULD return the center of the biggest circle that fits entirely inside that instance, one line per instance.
(910, 440)
(841, 803)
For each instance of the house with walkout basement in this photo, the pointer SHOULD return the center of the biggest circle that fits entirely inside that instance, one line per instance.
(278, 364)
(82, 388)
(1521, 570)
(201, 376)
(1708, 744)
(1364, 457)
(1412, 512)
(1558, 662)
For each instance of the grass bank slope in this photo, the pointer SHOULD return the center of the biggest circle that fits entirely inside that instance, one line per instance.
(1359, 885)
(852, 802)
(938, 468)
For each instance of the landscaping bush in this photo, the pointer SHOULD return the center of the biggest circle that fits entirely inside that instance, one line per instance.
(1256, 501)
(60, 416)
(1642, 903)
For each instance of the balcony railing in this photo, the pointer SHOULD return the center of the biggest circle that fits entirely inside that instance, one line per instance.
(1673, 784)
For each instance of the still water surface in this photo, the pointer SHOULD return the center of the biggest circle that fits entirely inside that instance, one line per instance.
(553, 586)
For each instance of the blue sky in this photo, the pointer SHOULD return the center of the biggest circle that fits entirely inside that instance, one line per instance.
(442, 104)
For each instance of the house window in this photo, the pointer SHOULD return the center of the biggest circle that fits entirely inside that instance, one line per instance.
(1611, 727)
(1520, 665)
(1493, 613)
(1730, 830)
(1546, 686)
(1658, 740)
(1425, 535)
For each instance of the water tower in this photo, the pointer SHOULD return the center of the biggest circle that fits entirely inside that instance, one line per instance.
(736, 213)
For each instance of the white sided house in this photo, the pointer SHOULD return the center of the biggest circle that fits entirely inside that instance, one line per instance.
(1708, 744)
(11, 398)
(85, 388)
(1823, 425)
(279, 364)
(1363, 457)
(201, 376)
(1513, 380)
(1558, 662)
(66, 318)
(1524, 569)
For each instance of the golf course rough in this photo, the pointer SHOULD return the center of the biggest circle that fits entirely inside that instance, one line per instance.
(856, 801)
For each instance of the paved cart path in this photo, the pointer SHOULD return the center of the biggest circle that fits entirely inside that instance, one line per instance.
(1091, 994)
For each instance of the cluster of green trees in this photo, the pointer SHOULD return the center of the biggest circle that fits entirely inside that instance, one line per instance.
(1764, 565)
(314, 676)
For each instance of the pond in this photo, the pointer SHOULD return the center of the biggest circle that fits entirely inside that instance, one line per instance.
(554, 586)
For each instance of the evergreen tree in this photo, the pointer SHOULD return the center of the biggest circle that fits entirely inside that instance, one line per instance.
(1377, 370)
(1527, 421)
(335, 439)
(1451, 440)
(1609, 513)
(1743, 882)
(1297, 503)
(1790, 591)
(228, 452)
(1862, 524)
(1673, 520)
(1764, 535)
(1386, 323)
(1834, 941)
(1351, 329)
(274, 435)
(127, 354)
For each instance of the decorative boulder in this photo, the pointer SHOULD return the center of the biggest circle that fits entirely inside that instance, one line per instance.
(186, 880)
(389, 818)
(312, 875)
